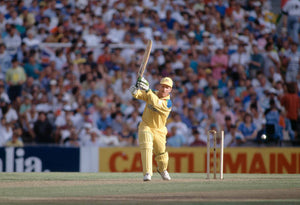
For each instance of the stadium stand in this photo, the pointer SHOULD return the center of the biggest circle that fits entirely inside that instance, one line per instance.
(67, 65)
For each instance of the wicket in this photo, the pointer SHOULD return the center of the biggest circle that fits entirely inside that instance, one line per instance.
(214, 133)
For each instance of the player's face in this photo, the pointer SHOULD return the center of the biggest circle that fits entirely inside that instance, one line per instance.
(164, 91)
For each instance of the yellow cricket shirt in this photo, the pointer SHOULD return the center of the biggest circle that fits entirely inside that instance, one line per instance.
(156, 110)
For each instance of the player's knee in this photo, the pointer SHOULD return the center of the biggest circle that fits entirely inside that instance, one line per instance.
(162, 156)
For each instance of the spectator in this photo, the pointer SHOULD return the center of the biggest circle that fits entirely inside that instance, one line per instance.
(15, 19)
(169, 20)
(126, 136)
(286, 127)
(195, 90)
(14, 141)
(27, 17)
(213, 99)
(60, 60)
(109, 138)
(275, 76)
(12, 41)
(238, 59)
(65, 116)
(124, 92)
(234, 138)
(204, 58)
(220, 7)
(291, 10)
(3, 22)
(3, 94)
(185, 116)
(93, 90)
(53, 90)
(271, 59)
(227, 126)
(219, 63)
(133, 120)
(222, 113)
(6, 131)
(28, 119)
(104, 120)
(105, 57)
(230, 98)
(43, 130)
(43, 103)
(175, 139)
(238, 12)
(31, 40)
(273, 129)
(84, 134)
(256, 62)
(15, 78)
(223, 82)
(32, 68)
(5, 60)
(291, 102)
(293, 60)
(72, 139)
(197, 139)
(26, 105)
(247, 127)
(262, 90)
(258, 117)
(94, 138)
(117, 122)
(8, 112)
(262, 134)
(91, 38)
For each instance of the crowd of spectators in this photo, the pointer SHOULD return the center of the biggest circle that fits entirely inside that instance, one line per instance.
(66, 67)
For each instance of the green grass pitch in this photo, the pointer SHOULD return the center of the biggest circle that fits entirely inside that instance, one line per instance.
(128, 188)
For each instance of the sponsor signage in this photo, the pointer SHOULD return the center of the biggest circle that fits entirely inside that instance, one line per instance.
(193, 160)
(39, 159)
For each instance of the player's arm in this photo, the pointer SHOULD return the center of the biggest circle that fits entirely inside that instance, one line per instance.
(138, 91)
(139, 94)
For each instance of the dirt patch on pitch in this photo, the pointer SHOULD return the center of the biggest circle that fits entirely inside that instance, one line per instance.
(60, 183)
(47, 183)
(50, 183)
(217, 196)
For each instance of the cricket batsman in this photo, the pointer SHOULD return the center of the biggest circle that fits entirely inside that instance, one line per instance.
(152, 130)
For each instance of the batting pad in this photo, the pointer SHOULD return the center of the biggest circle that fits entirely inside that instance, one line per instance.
(146, 146)
(162, 161)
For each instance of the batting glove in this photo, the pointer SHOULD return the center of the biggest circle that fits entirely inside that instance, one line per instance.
(143, 84)
(133, 89)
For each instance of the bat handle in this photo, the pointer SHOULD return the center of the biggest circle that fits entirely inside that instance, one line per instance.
(136, 83)
(139, 78)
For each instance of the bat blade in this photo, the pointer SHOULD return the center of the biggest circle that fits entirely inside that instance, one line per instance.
(145, 59)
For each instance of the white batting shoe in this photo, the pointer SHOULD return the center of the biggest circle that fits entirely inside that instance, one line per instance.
(164, 175)
(147, 177)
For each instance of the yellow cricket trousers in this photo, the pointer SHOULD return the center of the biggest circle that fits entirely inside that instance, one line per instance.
(153, 141)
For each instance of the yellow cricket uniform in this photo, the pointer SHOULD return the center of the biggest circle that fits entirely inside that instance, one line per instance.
(152, 130)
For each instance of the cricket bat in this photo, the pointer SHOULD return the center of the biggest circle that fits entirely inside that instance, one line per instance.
(145, 59)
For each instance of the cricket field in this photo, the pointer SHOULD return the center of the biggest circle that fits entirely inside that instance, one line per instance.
(128, 188)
